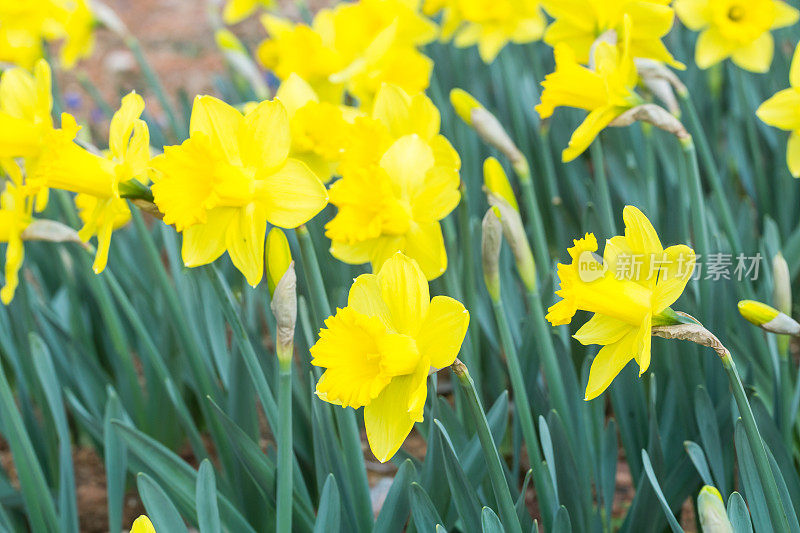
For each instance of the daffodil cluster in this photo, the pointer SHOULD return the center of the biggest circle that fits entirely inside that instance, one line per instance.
(625, 302)
(25, 26)
(379, 350)
(399, 179)
(353, 48)
(489, 24)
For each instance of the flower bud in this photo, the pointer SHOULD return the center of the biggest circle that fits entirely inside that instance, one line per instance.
(781, 284)
(768, 318)
(491, 240)
(486, 126)
(655, 115)
(662, 82)
(279, 257)
(109, 19)
(284, 307)
(496, 181)
(514, 232)
(711, 509)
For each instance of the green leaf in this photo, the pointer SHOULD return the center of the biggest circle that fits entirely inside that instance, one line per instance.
(115, 460)
(464, 497)
(329, 513)
(698, 458)
(709, 434)
(206, 498)
(562, 522)
(738, 514)
(160, 509)
(750, 482)
(648, 468)
(396, 506)
(422, 510)
(490, 523)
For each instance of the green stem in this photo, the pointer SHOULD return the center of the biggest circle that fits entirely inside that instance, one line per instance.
(774, 504)
(603, 191)
(285, 460)
(710, 168)
(345, 418)
(508, 513)
(762, 185)
(650, 170)
(472, 354)
(699, 223)
(540, 250)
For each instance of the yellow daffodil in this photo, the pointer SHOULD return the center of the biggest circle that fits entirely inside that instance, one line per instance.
(380, 348)
(96, 178)
(237, 10)
(606, 91)
(399, 179)
(319, 129)
(15, 216)
(783, 111)
(25, 26)
(233, 175)
(636, 281)
(307, 51)
(739, 29)
(492, 24)
(579, 23)
(142, 525)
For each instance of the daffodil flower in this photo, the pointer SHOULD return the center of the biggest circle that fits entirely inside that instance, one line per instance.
(606, 90)
(399, 179)
(232, 176)
(237, 10)
(739, 29)
(579, 23)
(319, 129)
(782, 111)
(96, 178)
(624, 300)
(380, 348)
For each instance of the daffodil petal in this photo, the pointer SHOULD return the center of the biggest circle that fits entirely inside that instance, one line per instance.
(220, 122)
(365, 297)
(782, 110)
(443, 331)
(672, 279)
(757, 56)
(640, 233)
(608, 363)
(293, 195)
(711, 48)
(425, 244)
(122, 123)
(244, 241)
(602, 329)
(404, 289)
(265, 136)
(793, 154)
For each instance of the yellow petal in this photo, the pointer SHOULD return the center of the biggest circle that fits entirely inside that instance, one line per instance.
(365, 297)
(245, 242)
(602, 329)
(383, 248)
(793, 154)
(589, 129)
(220, 122)
(295, 93)
(639, 232)
(490, 44)
(203, 243)
(406, 162)
(757, 56)
(693, 13)
(782, 110)
(423, 116)
(785, 15)
(404, 289)
(425, 244)
(608, 363)
(391, 415)
(438, 195)
(293, 195)
(352, 253)
(642, 344)
(496, 180)
(265, 136)
(443, 331)
(391, 107)
(237, 10)
(122, 123)
(711, 48)
(672, 278)
(794, 71)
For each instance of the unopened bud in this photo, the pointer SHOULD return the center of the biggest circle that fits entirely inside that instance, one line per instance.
(284, 307)
(655, 115)
(485, 125)
(781, 284)
(662, 82)
(711, 508)
(50, 231)
(496, 181)
(514, 232)
(109, 18)
(768, 318)
(279, 257)
(491, 240)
